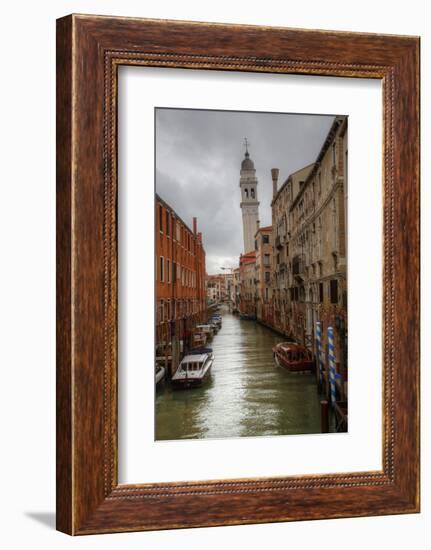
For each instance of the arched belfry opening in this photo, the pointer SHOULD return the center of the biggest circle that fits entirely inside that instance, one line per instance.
(249, 199)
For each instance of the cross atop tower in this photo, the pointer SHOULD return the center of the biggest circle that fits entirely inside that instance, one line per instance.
(246, 143)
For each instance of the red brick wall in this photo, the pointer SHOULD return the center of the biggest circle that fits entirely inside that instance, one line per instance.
(180, 271)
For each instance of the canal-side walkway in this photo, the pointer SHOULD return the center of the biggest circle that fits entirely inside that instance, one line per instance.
(246, 396)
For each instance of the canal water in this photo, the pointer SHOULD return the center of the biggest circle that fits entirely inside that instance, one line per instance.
(247, 395)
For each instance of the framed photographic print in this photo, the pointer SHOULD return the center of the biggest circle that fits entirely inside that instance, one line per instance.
(237, 274)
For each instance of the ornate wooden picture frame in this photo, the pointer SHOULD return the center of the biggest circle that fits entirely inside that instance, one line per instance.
(89, 51)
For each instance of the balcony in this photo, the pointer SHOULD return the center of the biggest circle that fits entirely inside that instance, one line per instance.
(298, 266)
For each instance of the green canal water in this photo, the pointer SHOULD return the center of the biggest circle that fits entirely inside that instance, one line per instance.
(247, 395)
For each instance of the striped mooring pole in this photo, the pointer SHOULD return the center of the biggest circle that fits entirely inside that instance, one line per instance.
(319, 351)
(332, 373)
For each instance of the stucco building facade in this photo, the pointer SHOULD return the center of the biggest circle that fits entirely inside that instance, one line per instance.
(247, 286)
(309, 217)
(219, 287)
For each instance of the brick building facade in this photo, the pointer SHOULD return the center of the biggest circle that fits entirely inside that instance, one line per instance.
(247, 286)
(180, 278)
(263, 273)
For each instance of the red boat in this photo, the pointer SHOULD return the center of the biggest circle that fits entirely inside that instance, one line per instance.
(293, 357)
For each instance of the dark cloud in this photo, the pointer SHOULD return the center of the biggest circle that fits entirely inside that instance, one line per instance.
(198, 158)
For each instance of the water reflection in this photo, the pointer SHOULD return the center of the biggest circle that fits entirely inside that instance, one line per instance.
(247, 395)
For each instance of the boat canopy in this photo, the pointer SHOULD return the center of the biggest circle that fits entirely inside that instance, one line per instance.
(200, 351)
(194, 358)
(294, 350)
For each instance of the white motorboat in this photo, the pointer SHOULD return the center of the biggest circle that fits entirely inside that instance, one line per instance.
(194, 369)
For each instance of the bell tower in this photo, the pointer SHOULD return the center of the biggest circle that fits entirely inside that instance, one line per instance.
(249, 203)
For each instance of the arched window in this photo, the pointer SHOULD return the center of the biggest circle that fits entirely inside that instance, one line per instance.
(246, 193)
(252, 193)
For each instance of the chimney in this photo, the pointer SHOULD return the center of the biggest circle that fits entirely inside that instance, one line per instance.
(274, 174)
(195, 226)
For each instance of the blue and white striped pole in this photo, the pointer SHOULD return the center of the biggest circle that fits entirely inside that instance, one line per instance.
(319, 351)
(332, 374)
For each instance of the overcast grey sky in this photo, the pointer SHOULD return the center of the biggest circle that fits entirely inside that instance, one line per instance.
(198, 160)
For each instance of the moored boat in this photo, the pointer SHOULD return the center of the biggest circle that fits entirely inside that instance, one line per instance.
(160, 373)
(199, 339)
(247, 316)
(208, 330)
(216, 320)
(293, 357)
(215, 327)
(194, 369)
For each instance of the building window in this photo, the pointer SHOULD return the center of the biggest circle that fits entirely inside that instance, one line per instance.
(162, 269)
(168, 270)
(246, 193)
(301, 294)
(167, 222)
(161, 218)
(252, 193)
(321, 293)
(334, 291)
(335, 257)
(266, 260)
(178, 232)
(265, 239)
(267, 276)
(161, 311)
